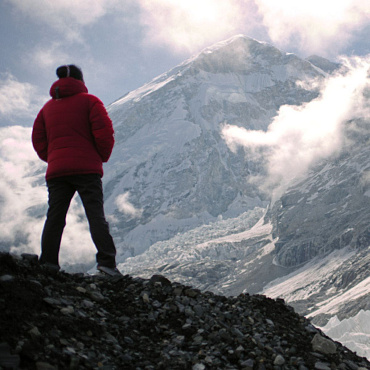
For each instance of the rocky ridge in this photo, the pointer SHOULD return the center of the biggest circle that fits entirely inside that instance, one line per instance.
(76, 321)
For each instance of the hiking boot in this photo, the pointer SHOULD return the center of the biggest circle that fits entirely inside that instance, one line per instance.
(111, 271)
(50, 268)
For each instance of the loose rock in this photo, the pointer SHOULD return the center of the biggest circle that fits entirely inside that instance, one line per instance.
(323, 345)
(73, 321)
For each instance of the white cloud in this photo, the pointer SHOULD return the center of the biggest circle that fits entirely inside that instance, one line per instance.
(49, 56)
(321, 27)
(299, 136)
(23, 202)
(311, 26)
(314, 26)
(19, 100)
(189, 25)
(124, 206)
(67, 16)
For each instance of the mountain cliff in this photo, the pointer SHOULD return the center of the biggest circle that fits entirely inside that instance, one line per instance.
(203, 220)
(169, 154)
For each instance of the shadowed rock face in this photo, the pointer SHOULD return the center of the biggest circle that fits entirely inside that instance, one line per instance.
(75, 321)
(328, 210)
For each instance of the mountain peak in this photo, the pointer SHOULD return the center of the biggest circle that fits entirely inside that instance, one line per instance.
(230, 55)
(324, 64)
(237, 55)
(233, 42)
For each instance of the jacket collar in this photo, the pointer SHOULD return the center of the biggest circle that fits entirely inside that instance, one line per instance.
(67, 87)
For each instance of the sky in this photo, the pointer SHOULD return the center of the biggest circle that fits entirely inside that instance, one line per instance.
(123, 44)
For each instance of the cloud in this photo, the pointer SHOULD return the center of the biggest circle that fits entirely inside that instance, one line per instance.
(18, 100)
(23, 202)
(124, 206)
(190, 25)
(67, 16)
(315, 26)
(49, 56)
(312, 27)
(300, 136)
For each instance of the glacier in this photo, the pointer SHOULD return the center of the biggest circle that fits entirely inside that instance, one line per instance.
(354, 332)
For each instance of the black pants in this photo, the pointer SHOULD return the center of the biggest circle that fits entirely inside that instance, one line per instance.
(61, 191)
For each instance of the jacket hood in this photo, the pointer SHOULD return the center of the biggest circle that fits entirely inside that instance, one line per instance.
(67, 87)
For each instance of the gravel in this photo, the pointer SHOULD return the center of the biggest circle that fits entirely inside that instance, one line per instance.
(76, 321)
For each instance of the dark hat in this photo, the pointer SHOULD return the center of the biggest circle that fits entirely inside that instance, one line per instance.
(70, 71)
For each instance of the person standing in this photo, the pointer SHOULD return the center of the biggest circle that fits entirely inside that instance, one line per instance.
(74, 135)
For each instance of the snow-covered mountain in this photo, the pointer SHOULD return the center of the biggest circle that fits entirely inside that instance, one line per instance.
(196, 214)
(170, 156)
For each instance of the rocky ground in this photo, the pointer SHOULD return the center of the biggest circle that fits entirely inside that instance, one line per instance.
(73, 321)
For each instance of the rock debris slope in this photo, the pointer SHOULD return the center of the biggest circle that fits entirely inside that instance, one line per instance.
(74, 321)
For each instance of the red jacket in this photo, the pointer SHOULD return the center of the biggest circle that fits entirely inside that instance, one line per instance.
(73, 132)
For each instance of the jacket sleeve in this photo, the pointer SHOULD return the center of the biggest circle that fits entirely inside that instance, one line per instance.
(39, 138)
(102, 129)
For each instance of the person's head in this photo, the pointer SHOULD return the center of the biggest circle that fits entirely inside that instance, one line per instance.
(70, 70)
